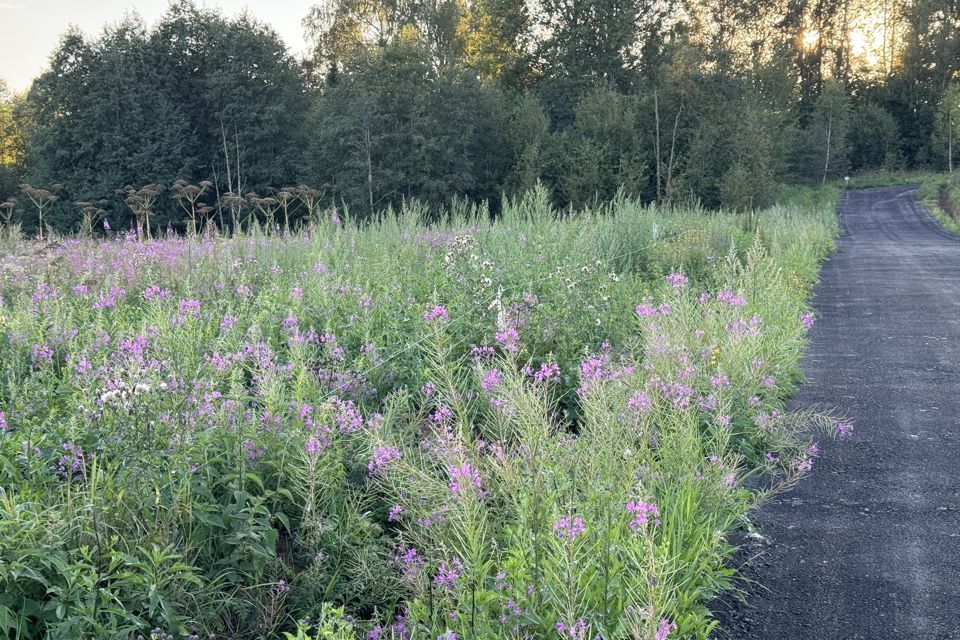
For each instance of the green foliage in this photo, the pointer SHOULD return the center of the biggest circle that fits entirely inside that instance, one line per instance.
(191, 427)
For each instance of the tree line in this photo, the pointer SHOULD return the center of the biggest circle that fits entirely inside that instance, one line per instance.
(206, 118)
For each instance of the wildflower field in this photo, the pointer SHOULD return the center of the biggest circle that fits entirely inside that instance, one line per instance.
(540, 427)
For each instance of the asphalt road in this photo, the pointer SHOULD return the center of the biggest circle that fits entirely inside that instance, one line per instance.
(868, 545)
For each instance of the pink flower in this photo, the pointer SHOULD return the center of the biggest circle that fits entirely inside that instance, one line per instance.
(382, 457)
(844, 429)
(569, 527)
(437, 313)
(463, 476)
(491, 380)
(731, 298)
(639, 402)
(315, 445)
(646, 310)
(664, 630)
(547, 373)
(509, 339)
(643, 512)
(677, 280)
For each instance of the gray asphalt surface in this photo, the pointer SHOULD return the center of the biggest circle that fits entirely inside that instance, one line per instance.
(868, 545)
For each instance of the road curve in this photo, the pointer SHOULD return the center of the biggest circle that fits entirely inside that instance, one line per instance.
(868, 545)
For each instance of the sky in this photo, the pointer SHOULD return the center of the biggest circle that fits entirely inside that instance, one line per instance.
(31, 28)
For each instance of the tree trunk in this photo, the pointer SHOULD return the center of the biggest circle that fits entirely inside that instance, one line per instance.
(656, 143)
(826, 163)
(226, 162)
(673, 146)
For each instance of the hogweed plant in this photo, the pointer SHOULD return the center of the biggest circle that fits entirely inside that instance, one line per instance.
(538, 427)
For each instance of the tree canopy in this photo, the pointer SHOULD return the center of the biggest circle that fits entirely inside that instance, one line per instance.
(713, 100)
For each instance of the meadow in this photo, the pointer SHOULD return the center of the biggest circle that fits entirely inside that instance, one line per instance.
(421, 427)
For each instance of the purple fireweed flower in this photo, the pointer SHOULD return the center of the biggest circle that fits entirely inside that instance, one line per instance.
(410, 561)
(72, 461)
(441, 415)
(491, 380)
(109, 300)
(189, 308)
(569, 527)
(296, 293)
(807, 319)
(252, 450)
(382, 456)
(677, 280)
(437, 313)
(81, 290)
(447, 574)
(479, 353)
(639, 402)
(395, 512)
(227, 322)
(664, 629)
(462, 477)
(719, 381)
(575, 631)
(548, 372)
(508, 339)
(42, 354)
(731, 298)
(771, 457)
(3, 422)
(844, 429)
(645, 310)
(643, 513)
(709, 403)
(315, 445)
(44, 292)
(155, 292)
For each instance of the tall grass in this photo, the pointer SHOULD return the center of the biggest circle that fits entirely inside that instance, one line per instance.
(538, 427)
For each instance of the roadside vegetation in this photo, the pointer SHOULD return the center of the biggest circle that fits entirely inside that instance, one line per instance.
(543, 426)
